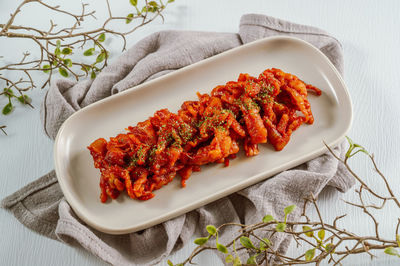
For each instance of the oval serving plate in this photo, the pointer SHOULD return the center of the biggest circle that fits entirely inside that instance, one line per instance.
(79, 180)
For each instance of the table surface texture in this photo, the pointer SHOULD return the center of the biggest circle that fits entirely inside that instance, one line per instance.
(370, 34)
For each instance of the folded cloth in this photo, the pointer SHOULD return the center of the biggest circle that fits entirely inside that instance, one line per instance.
(41, 206)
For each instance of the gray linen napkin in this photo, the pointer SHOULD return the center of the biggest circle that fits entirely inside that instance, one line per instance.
(41, 206)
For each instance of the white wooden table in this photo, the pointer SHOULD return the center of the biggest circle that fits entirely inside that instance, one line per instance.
(370, 34)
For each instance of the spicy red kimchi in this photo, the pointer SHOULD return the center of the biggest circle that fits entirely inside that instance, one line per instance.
(244, 113)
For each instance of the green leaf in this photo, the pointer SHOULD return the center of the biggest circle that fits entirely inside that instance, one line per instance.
(8, 91)
(24, 99)
(321, 234)
(222, 248)
(63, 72)
(66, 50)
(268, 218)
(252, 260)
(229, 259)
(102, 37)
(350, 141)
(57, 51)
(152, 7)
(46, 68)
(55, 62)
(67, 62)
(307, 228)
(133, 2)
(289, 209)
(398, 240)
(266, 240)
(211, 229)
(58, 44)
(309, 255)
(330, 247)
(392, 251)
(101, 57)
(170, 263)
(237, 262)
(280, 227)
(88, 52)
(93, 75)
(265, 244)
(246, 242)
(171, 1)
(129, 18)
(201, 240)
(153, 4)
(353, 146)
(7, 108)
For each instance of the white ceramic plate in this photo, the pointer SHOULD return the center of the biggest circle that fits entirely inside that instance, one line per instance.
(79, 180)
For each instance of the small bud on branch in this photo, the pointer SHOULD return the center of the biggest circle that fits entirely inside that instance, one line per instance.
(57, 45)
(323, 241)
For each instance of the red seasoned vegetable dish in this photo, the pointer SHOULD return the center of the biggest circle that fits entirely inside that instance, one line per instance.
(242, 113)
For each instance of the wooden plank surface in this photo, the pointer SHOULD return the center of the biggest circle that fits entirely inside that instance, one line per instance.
(369, 32)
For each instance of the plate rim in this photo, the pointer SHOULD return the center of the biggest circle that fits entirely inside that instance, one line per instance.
(254, 179)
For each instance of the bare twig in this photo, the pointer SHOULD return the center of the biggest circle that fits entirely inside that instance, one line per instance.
(2, 129)
(336, 246)
(56, 44)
